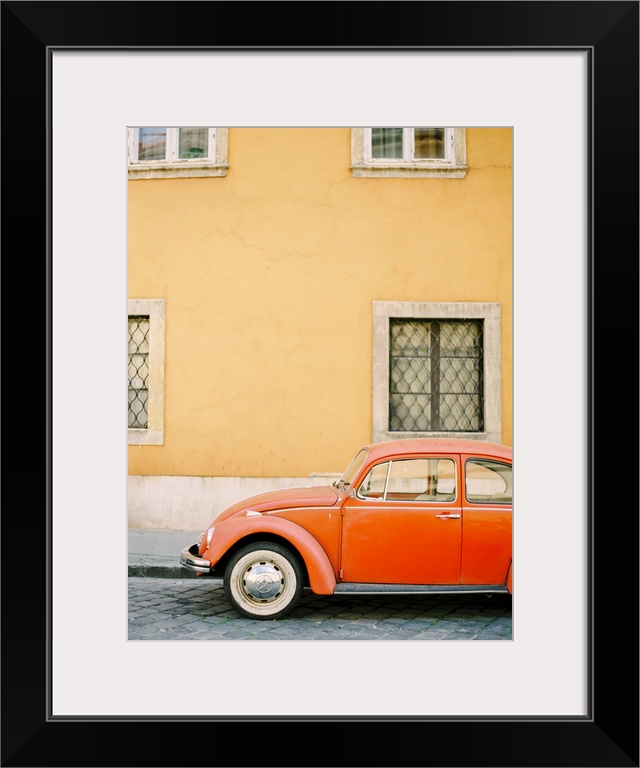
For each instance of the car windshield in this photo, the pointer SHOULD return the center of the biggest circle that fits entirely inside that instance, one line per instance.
(353, 469)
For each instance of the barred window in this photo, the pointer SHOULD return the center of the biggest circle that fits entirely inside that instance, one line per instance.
(435, 375)
(437, 370)
(138, 372)
(145, 369)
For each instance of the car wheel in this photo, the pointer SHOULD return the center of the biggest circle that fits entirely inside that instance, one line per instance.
(263, 581)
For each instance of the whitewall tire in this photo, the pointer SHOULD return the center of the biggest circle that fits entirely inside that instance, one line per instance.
(263, 580)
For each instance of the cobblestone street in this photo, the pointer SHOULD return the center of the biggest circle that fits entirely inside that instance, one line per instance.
(195, 609)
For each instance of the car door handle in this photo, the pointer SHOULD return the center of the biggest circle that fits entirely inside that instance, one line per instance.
(448, 517)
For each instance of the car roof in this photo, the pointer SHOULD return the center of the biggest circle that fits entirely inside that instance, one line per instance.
(419, 445)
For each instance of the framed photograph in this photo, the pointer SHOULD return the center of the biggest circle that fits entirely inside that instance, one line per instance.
(564, 78)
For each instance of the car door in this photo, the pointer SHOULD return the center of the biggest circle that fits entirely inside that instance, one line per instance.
(487, 513)
(403, 525)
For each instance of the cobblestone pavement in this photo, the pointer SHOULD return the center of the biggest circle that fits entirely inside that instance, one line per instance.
(195, 609)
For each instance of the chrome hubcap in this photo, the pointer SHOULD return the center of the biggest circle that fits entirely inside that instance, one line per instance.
(263, 581)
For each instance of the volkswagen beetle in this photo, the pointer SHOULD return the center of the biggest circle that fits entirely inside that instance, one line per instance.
(430, 516)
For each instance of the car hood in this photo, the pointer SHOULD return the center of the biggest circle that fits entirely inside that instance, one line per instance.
(287, 498)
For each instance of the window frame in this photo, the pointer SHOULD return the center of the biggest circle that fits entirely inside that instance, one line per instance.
(155, 310)
(453, 165)
(215, 164)
(489, 313)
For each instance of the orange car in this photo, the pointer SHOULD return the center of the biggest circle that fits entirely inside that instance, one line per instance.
(428, 516)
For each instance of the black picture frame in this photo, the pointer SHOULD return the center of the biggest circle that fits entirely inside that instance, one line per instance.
(608, 736)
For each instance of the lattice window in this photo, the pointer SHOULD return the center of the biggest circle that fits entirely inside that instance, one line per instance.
(436, 375)
(138, 414)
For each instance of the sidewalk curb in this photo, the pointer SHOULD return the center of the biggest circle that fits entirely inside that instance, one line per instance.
(161, 572)
(170, 572)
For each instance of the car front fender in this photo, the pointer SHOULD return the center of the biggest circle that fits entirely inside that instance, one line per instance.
(322, 578)
(509, 578)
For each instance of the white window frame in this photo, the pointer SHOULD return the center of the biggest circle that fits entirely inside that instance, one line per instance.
(490, 313)
(452, 166)
(155, 310)
(215, 164)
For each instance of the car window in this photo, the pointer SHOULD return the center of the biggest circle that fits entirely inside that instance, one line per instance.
(352, 470)
(372, 487)
(422, 480)
(411, 480)
(489, 481)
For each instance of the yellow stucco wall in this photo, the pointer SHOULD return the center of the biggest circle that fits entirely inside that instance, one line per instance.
(269, 275)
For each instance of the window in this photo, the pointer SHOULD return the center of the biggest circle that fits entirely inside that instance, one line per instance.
(145, 362)
(374, 483)
(177, 152)
(489, 481)
(421, 480)
(411, 480)
(435, 375)
(352, 470)
(436, 370)
(413, 152)
(138, 371)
